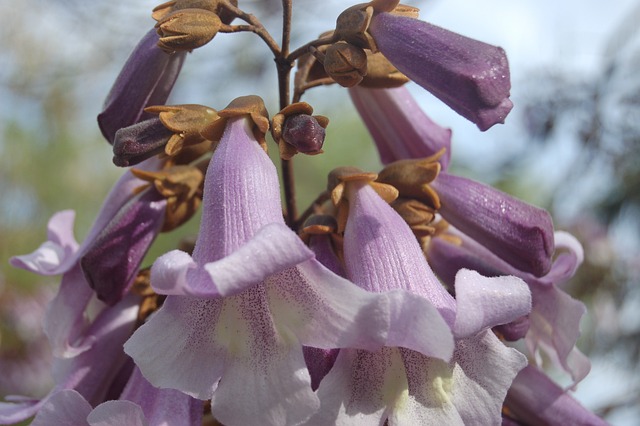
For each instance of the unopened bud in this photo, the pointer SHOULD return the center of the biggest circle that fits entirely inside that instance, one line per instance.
(215, 6)
(140, 141)
(352, 25)
(187, 29)
(304, 133)
(345, 63)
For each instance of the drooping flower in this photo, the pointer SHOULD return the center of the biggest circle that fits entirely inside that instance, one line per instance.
(517, 232)
(241, 307)
(398, 125)
(146, 79)
(401, 384)
(470, 76)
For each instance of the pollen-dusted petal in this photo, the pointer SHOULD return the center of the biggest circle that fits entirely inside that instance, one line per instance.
(362, 388)
(485, 302)
(327, 311)
(117, 413)
(470, 76)
(65, 408)
(416, 324)
(398, 125)
(56, 255)
(177, 348)
(274, 380)
(517, 232)
(470, 390)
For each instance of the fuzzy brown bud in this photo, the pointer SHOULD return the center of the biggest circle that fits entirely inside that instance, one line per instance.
(215, 6)
(345, 63)
(187, 29)
(352, 25)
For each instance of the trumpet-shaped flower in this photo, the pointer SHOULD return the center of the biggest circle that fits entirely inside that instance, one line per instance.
(242, 306)
(408, 386)
(470, 76)
(398, 125)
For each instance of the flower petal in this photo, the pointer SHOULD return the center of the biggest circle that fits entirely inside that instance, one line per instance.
(471, 388)
(162, 406)
(398, 125)
(177, 348)
(65, 321)
(273, 383)
(56, 255)
(535, 399)
(117, 413)
(65, 408)
(484, 302)
(470, 76)
(517, 232)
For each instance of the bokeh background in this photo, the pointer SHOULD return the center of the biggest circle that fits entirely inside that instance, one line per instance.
(571, 145)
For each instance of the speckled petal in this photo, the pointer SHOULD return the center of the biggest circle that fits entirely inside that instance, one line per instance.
(177, 348)
(484, 302)
(469, 391)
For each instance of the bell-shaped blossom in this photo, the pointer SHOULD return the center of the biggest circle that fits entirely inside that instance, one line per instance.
(470, 76)
(515, 231)
(535, 399)
(398, 125)
(91, 372)
(242, 306)
(146, 79)
(408, 386)
(553, 326)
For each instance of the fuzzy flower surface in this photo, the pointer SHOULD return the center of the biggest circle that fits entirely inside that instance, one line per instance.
(403, 385)
(242, 306)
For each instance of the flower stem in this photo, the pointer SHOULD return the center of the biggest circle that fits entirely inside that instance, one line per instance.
(284, 66)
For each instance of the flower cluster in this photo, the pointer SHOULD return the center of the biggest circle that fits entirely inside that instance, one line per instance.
(392, 299)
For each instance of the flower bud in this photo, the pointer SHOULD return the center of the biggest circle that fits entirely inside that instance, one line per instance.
(296, 130)
(352, 24)
(215, 6)
(470, 76)
(187, 29)
(345, 63)
(140, 141)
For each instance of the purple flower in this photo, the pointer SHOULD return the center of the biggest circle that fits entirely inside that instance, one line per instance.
(470, 76)
(146, 79)
(554, 321)
(398, 126)
(242, 306)
(420, 384)
(513, 230)
(535, 399)
(91, 372)
(112, 261)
